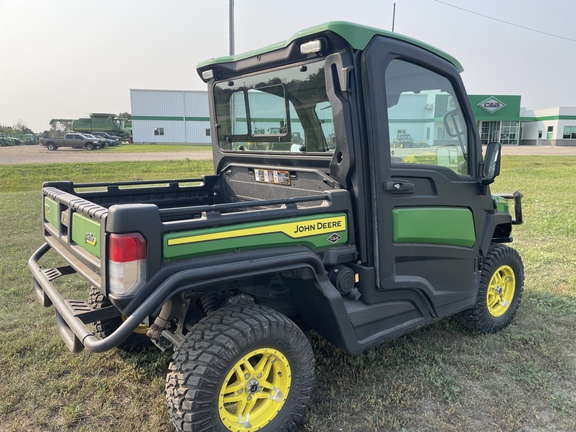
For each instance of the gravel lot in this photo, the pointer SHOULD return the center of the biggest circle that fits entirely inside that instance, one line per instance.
(38, 154)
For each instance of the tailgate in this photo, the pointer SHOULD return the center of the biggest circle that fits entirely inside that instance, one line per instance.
(74, 227)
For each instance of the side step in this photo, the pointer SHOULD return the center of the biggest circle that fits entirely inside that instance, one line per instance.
(84, 312)
(50, 274)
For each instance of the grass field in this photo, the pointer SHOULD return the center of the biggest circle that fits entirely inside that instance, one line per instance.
(440, 378)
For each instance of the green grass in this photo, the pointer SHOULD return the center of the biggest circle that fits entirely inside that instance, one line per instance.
(440, 378)
(20, 178)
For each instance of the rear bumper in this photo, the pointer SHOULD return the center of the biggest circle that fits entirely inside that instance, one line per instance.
(73, 316)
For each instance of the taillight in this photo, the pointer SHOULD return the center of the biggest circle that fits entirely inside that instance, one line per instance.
(126, 262)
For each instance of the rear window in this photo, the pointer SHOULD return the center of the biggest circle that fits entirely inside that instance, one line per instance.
(285, 110)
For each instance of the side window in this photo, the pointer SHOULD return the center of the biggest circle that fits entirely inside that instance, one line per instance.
(425, 121)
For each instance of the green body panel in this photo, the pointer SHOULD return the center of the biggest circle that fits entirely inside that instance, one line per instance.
(358, 36)
(314, 232)
(500, 204)
(434, 225)
(51, 212)
(86, 234)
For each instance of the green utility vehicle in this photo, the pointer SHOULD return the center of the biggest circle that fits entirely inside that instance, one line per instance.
(100, 122)
(339, 232)
(6, 141)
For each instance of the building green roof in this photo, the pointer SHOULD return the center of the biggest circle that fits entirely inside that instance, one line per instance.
(358, 36)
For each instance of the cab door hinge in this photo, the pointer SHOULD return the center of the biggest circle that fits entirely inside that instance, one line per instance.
(479, 263)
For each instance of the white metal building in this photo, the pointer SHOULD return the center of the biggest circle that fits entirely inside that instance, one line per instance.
(170, 116)
(550, 126)
(182, 116)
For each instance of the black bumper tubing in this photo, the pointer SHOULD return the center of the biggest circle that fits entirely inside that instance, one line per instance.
(185, 279)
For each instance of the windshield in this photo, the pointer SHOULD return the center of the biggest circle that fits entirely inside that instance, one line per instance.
(286, 110)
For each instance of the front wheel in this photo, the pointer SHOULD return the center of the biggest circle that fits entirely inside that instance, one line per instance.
(500, 291)
(242, 368)
(89, 146)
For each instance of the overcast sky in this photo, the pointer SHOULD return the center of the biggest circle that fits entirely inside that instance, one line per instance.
(67, 58)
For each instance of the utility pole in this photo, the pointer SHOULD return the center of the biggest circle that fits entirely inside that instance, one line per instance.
(231, 24)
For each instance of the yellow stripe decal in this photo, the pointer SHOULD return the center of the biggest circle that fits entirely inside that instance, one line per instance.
(295, 230)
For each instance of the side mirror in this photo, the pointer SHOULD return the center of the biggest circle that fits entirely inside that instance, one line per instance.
(491, 165)
(491, 162)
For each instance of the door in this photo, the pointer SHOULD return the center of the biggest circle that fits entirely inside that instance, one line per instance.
(428, 213)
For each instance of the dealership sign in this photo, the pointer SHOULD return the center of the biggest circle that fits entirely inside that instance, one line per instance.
(491, 105)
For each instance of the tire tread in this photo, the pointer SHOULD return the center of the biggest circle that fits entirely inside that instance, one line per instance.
(197, 366)
(478, 318)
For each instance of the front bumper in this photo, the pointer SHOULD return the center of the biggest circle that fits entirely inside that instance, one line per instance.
(517, 197)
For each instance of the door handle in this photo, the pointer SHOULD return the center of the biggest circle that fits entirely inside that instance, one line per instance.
(400, 186)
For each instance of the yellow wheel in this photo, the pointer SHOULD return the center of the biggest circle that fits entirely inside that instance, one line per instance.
(254, 390)
(242, 368)
(142, 329)
(499, 293)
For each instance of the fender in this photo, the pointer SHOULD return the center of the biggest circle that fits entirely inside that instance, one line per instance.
(497, 221)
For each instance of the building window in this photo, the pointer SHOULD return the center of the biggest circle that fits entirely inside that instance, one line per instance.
(509, 132)
(207, 131)
(550, 132)
(490, 131)
(439, 132)
(569, 132)
(159, 131)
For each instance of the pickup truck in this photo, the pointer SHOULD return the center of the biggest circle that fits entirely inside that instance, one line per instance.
(339, 232)
(74, 140)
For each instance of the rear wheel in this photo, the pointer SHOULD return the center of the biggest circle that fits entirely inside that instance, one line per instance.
(242, 368)
(500, 292)
(106, 327)
(51, 146)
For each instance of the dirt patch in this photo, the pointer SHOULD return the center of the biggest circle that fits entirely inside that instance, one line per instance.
(539, 150)
(40, 155)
